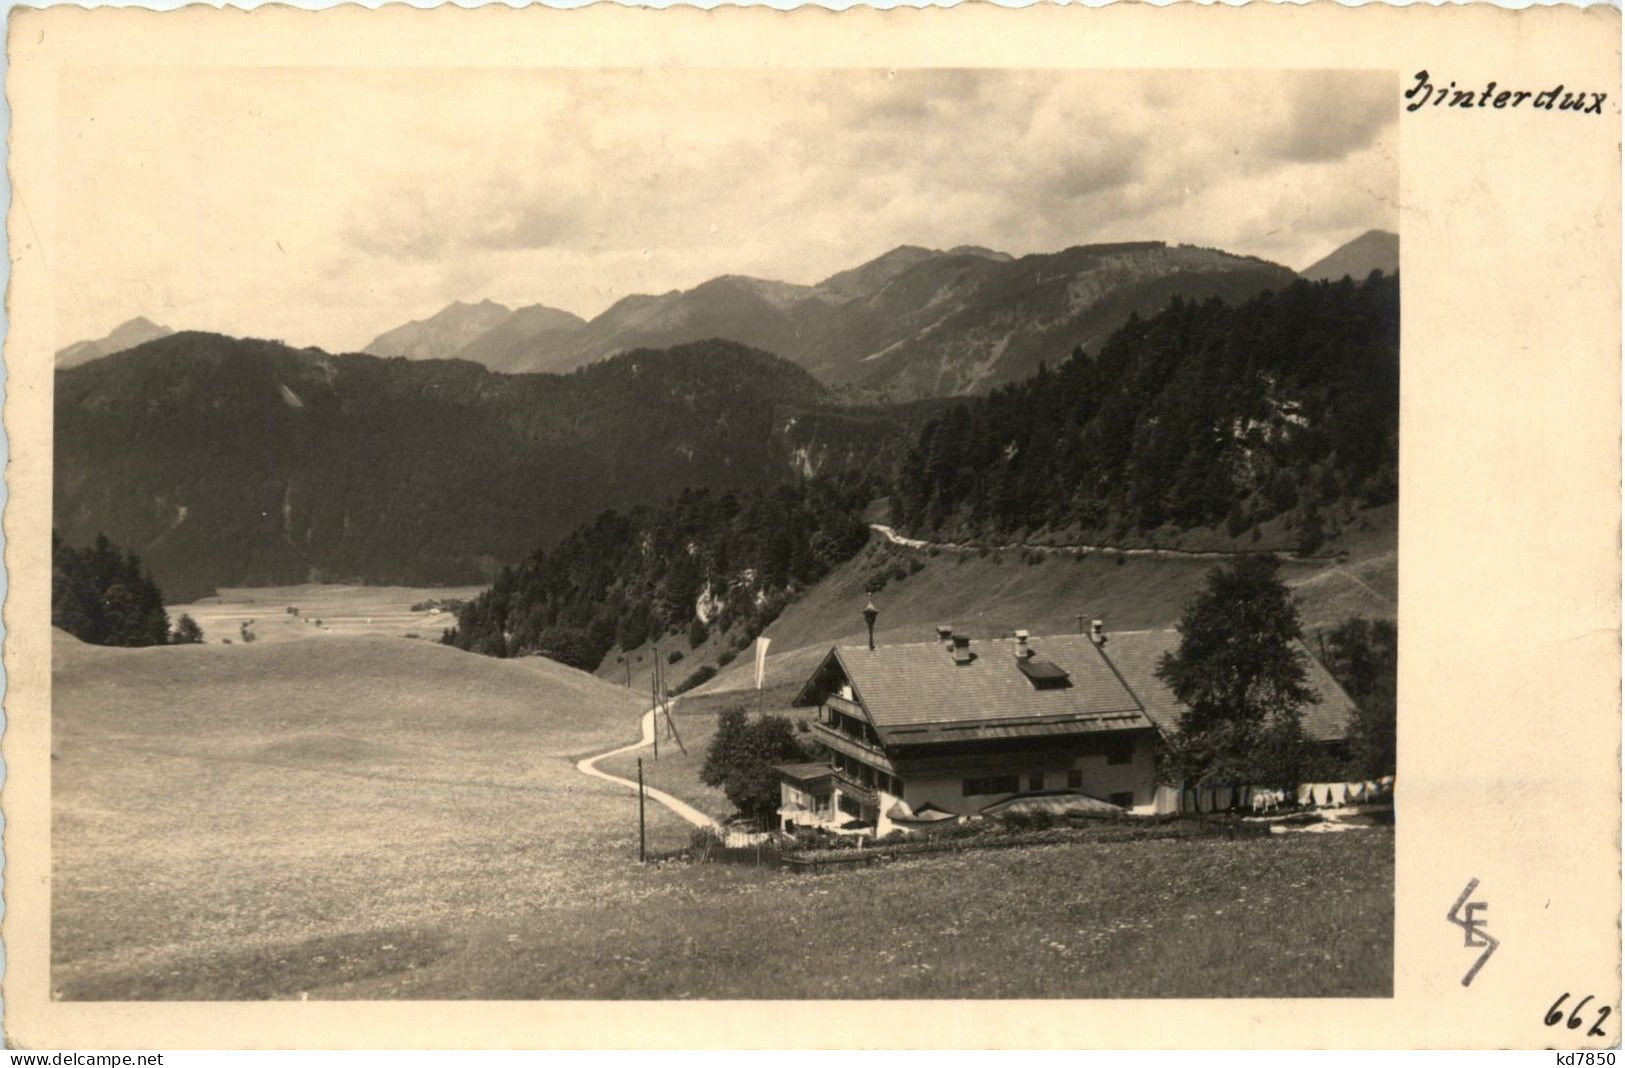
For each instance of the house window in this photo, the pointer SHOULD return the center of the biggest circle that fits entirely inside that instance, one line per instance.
(850, 806)
(1120, 754)
(1035, 781)
(1074, 779)
(992, 784)
(1122, 800)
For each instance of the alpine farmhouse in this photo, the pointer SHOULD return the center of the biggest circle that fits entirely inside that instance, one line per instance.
(921, 734)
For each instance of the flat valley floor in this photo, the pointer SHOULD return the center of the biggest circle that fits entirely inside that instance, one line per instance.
(359, 815)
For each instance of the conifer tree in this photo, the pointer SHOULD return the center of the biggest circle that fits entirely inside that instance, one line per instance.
(1242, 680)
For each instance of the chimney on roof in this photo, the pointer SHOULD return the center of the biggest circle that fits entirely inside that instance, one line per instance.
(1024, 650)
(1097, 631)
(960, 648)
(945, 635)
(870, 614)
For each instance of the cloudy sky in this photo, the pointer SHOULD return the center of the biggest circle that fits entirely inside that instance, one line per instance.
(325, 206)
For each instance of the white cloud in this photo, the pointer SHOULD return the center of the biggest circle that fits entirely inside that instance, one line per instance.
(325, 206)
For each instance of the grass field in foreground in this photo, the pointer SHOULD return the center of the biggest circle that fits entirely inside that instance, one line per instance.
(1303, 915)
(248, 821)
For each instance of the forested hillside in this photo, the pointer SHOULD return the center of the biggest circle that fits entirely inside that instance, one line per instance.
(702, 561)
(103, 596)
(1285, 406)
(1281, 411)
(228, 462)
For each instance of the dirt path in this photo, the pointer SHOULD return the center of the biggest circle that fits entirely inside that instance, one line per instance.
(1018, 546)
(1367, 587)
(687, 812)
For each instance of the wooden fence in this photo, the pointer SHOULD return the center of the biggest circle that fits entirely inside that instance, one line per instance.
(772, 852)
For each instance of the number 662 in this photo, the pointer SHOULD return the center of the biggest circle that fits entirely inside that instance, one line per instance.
(1555, 1014)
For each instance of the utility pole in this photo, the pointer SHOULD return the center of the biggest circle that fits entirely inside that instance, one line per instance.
(671, 725)
(640, 810)
(654, 704)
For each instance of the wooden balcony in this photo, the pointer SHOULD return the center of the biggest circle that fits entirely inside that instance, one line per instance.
(841, 704)
(863, 795)
(856, 748)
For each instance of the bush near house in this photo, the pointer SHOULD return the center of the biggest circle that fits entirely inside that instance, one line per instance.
(741, 756)
(701, 675)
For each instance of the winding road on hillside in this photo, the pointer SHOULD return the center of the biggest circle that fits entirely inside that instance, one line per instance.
(1017, 546)
(687, 812)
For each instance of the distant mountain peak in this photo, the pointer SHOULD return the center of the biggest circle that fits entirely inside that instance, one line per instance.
(1374, 250)
(978, 250)
(441, 334)
(523, 340)
(126, 335)
(870, 277)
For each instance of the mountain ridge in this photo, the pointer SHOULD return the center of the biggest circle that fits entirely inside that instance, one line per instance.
(910, 323)
(261, 464)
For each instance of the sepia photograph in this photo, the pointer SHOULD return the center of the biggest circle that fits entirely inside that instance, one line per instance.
(698, 533)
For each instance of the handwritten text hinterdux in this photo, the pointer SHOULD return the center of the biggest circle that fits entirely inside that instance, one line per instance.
(1559, 97)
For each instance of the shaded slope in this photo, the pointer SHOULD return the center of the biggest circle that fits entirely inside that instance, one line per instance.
(966, 323)
(227, 462)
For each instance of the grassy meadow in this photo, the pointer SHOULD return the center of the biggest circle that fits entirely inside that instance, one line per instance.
(252, 821)
(1304, 915)
(324, 611)
(369, 817)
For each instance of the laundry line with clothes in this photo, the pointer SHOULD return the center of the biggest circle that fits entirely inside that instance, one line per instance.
(1189, 800)
(1337, 794)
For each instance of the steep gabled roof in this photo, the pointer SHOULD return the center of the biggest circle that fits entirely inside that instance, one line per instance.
(903, 687)
(1137, 653)
(918, 693)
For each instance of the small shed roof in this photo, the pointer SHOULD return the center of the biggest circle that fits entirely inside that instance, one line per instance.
(806, 773)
